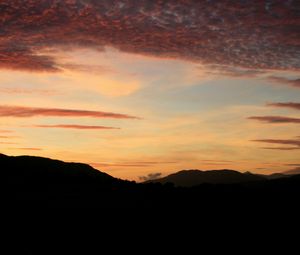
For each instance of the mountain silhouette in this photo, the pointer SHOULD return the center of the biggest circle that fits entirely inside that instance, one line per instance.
(189, 178)
(37, 169)
(35, 182)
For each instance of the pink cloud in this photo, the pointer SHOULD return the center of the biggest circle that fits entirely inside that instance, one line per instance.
(291, 105)
(75, 127)
(281, 148)
(27, 149)
(24, 112)
(132, 164)
(275, 119)
(294, 142)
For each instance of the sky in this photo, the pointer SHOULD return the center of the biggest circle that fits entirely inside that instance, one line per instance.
(150, 87)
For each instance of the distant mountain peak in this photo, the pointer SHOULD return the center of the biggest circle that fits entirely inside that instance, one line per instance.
(194, 177)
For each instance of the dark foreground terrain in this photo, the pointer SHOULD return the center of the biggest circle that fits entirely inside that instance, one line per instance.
(30, 182)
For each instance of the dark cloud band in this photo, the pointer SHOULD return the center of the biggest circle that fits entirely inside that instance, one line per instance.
(279, 141)
(275, 119)
(248, 34)
(291, 105)
(86, 127)
(25, 112)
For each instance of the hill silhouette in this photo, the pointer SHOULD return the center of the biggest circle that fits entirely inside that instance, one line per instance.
(31, 169)
(189, 178)
(35, 182)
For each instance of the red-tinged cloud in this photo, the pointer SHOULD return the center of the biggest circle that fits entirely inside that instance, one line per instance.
(131, 164)
(275, 119)
(24, 112)
(293, 142)
(284, 81)
(281, 148)
(246, 34)
(118, 165)
(217, 161)
(291, 105)
(27, 149)
(75, 127)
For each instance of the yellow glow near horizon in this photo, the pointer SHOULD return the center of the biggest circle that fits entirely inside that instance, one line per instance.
(188, 117)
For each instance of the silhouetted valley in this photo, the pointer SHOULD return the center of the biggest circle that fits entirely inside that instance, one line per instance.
(32, 182)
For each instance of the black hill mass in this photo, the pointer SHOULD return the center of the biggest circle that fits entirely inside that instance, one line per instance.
(32, 182)
(189, 178)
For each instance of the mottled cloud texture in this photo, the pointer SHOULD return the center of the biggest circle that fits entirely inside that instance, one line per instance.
(275, 119)
(25, 112)
(74, 127)
(247, 34)
(291, 105)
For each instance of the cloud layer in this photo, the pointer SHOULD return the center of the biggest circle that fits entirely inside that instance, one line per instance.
(28, 149)
(74, 127)
(24, 112)
(293, 142)
(281, 80)
(248, 34)
(291, 105)
(278, 141)
(281, 148)
(275, 119)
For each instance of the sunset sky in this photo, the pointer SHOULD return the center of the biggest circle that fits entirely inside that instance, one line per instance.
(134, 87)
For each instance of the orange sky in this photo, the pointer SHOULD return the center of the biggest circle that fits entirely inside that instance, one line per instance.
(131, 109)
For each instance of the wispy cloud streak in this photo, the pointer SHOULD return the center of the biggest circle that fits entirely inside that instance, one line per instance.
(25, 112)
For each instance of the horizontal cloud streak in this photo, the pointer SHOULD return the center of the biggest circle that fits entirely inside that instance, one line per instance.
(275, 119)
(131, 164)
(291, 105)
(281, 80)
(27, 149)
(279, 141)
(281, 148)
(74, 127)
(24, 112)
(247, 34)
(5, 131)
